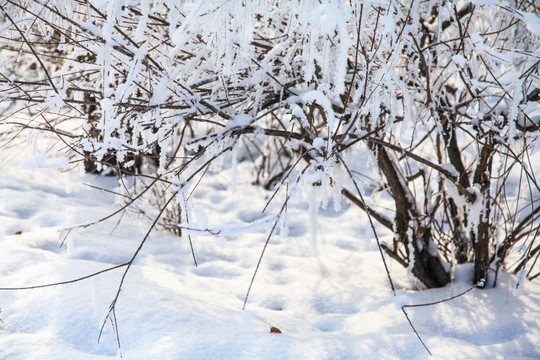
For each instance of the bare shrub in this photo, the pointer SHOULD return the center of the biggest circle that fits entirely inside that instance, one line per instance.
(442, 99)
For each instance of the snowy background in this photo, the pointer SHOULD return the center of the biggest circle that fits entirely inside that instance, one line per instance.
(328, 295)
(321, 281)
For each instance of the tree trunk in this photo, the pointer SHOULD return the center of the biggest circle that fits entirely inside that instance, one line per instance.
(481, 253)
(481, 240)
(459, 218)
(427, 266)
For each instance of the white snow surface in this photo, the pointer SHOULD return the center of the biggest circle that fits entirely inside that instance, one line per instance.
(330, 299)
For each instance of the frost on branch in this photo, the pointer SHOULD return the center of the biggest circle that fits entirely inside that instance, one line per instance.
(441, 97)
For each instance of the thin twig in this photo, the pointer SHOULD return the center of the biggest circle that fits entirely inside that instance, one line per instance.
(64, 282)
(278, 216)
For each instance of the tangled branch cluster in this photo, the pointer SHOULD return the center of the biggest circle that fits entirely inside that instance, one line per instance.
(442, 99)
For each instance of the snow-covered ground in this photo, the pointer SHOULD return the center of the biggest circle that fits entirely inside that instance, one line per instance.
(329, 296)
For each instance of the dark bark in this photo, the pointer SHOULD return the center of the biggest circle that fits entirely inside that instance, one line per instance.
(427, 267)
(482, 237)
(459, 219)
(481, 252)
